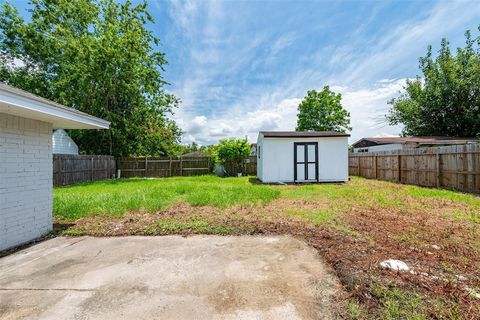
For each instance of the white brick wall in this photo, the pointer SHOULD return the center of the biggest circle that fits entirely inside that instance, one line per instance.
(25, 179)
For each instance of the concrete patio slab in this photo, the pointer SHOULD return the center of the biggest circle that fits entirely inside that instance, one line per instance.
(199, 277)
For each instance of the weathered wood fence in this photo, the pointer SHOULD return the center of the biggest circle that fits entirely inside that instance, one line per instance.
(249, 167)
(69, 169)
(164, 166)
(451, 167)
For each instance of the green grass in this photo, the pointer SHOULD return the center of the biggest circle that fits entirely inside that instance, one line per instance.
(317, 217)
(395, 303)
(116, 197)
(357, 192)
(356, 310)
(194, 224)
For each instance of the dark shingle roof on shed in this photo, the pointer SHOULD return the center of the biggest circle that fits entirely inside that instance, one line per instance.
(303, 134)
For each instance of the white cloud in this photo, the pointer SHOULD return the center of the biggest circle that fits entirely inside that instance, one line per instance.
(394, 49)
(221, 54)
(197, 124)
(367, 107)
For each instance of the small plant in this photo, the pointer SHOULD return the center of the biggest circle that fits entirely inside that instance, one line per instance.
(232, 153)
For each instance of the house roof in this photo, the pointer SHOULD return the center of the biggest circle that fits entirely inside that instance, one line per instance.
(302, 134)
(25, 104)
(194, 154)
(417, 140)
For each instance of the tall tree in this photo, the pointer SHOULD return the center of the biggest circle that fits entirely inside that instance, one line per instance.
(322, 110)
(445, 100)
(96, 56)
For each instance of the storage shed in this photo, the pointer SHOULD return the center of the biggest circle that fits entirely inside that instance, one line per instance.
(302, 156)
(26, 124)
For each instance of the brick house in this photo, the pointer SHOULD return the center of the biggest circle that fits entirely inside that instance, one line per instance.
(26, 125)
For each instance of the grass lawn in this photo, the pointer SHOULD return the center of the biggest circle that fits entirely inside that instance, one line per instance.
(353, 226)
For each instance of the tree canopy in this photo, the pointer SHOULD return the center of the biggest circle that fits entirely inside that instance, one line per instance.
(322, 111)
(445, 100)
(96, 56)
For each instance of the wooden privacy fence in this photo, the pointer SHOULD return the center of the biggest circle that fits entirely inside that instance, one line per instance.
(249, 168)
(69, 169)
(451, 167)
(164, 166)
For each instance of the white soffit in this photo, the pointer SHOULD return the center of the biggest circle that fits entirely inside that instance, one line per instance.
(24, 104)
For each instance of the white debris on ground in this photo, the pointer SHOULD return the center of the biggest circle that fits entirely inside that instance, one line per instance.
(474, 293)
(461, 278)
(436, 247)
(118, 226)
(396, 265)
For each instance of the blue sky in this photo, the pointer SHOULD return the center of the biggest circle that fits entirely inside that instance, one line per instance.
(243, 66)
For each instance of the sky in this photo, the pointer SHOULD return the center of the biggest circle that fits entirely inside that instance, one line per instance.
(240, 67)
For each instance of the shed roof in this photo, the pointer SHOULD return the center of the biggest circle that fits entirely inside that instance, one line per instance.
(25, 104)
(302, 134)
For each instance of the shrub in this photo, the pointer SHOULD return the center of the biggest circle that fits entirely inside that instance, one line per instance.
(232, 153)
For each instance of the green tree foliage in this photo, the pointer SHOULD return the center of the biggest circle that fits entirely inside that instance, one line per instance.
(181, 149)
(232, 153)
(96, 56)
(445, 101)
(322, 111)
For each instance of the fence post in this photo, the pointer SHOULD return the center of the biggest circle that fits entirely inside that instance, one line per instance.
(170, 166)
(399, 160)
(60, 170)
(438, 170)
(375, 166)
(146, 167)
(181, 166)
(117, 167)
(358, 166)
(91, 168)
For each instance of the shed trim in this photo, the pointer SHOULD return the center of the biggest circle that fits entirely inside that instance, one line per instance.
(303, 134)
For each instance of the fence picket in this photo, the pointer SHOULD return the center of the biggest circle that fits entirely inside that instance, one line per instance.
(451, 167)
(69, 169)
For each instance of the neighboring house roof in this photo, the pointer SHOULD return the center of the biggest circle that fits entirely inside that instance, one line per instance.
(302, 134)
(24, 104)
(366, 142)
(195, 154)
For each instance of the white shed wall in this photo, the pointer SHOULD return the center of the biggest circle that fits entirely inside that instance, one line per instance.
(277, 159)
(25, 179)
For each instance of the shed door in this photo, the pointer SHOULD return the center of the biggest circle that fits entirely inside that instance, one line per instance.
(305, 161)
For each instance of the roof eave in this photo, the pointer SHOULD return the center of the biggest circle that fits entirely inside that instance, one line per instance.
(307, 136)
(280, 134)
(60, 117)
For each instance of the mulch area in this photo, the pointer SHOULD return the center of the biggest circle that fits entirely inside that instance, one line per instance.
(441, 251)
